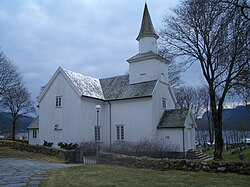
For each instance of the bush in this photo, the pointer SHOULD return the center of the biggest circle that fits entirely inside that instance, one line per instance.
(88, 147)
(67, 146)
(144, 146)
(47, 144)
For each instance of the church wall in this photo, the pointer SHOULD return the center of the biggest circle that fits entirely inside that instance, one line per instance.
(33, 141)
(174, 136)
(147, 44)
(50, 115)
(171, 138)
(189, 134)
(148, 70)
(161, 91)
(86, 127)
(136, 116)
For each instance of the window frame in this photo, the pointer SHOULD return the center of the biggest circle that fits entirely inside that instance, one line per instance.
(120, 132)
(34, 134)
(164, 103)
(58, 101)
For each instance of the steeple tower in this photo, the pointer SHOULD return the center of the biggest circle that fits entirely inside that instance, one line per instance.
(147, 65)
(147, 37)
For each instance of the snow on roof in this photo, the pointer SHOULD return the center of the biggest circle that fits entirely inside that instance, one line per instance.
(113, 88)
(87, 86)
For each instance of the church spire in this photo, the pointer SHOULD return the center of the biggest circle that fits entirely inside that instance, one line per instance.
(147, 28)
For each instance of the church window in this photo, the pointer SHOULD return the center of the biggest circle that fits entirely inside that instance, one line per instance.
(164, 103)
(120, 132)
(34, 134)
(58, 101)
(162, 76)
(97, 133)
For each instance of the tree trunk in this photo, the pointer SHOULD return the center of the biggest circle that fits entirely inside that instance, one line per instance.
(217, 120)
(13, 129)
(210, 130)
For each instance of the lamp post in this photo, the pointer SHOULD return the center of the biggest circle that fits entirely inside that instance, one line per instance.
(97, 107)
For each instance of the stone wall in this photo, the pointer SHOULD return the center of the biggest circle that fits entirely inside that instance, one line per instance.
(67, 156)
(175, 164)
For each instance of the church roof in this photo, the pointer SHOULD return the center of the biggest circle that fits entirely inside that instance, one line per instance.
(147, 28)
(113, 88)
(173, 119)
(146, 56)
(117, 88)
(34, 124)
(87, 86)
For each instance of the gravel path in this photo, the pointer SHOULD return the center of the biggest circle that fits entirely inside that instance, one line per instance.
(15, 172)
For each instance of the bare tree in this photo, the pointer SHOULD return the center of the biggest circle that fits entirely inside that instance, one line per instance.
(216, 35)
(174, 74)
(174, 70)
(243, 5)
(184, 96)
(17, 101)
(192, 97)
(9, 76)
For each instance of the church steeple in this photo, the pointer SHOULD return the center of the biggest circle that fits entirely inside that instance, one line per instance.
(147, 28)
(147, 37)
(147, 65)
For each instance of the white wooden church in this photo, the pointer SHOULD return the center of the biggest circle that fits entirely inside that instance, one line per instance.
(134, 107)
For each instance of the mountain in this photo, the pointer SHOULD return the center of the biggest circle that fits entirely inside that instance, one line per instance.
(233, 119)
(6, 123)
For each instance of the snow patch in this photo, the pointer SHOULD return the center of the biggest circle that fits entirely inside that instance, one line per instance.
(87, 86)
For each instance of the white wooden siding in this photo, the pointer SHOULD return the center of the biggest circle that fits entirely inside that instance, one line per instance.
(148, 70)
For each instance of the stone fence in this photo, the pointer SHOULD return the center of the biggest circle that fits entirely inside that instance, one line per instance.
(175, 164)
(67, 156)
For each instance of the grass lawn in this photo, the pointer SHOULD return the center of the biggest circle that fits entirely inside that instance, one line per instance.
(6, 152)
(228, 156)
(106, 175)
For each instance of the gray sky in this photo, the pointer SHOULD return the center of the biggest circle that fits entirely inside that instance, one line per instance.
(92, 37)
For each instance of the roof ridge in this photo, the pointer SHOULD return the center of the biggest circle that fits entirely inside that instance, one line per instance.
(67, 70)
(114, 76)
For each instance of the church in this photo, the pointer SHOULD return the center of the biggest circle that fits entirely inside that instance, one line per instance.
(75, 108)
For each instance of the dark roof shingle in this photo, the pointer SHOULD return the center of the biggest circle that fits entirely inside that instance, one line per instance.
(173, 119)
(147, 28)
(116, 88)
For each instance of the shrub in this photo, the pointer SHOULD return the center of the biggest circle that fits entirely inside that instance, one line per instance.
(88, 146)
(47, 144)
(67, 146)
(144, 146)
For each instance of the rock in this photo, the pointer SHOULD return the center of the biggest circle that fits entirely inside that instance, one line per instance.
(204, 163)
(184, 168)
(221, 169)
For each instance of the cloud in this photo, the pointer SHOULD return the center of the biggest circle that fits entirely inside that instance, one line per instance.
(90, 37)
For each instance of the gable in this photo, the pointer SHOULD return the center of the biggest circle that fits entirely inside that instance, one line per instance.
(81, 84)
